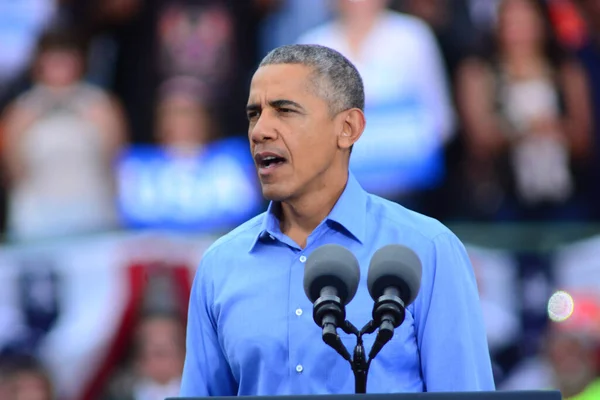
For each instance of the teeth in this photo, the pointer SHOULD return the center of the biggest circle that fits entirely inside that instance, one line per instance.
(270, 158)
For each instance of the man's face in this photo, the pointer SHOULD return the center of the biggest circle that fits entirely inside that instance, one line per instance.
(30, 386)
(572, 362)
(182, 122)
(162, 350)
(293, 137)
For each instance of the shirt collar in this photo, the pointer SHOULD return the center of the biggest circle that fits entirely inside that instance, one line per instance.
(350, 212)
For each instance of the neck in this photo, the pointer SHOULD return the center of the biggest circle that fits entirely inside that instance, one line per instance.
(59, 89)
(357, 27)
(521, 54)
(360, 22)
(300, 216)
(522, 62)
(184, 149)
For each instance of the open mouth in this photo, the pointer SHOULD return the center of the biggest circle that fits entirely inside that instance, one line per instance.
(269, 161)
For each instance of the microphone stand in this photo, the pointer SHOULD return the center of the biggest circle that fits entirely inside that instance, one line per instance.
(388, 313)
(360, 367)
(360, 363)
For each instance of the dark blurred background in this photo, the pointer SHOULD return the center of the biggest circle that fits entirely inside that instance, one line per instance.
(124, 155)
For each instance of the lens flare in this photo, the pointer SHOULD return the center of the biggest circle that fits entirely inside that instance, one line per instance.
(560, 306)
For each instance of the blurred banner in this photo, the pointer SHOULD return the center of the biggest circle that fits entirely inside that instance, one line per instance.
(74, 304)
(87, 311)
(212, 190)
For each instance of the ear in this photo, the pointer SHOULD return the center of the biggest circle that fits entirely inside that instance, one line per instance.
(353, 125)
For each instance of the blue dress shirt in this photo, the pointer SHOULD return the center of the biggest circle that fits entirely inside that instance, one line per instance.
(250, 325)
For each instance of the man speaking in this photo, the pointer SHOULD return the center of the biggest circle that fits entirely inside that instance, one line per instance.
(250, 326)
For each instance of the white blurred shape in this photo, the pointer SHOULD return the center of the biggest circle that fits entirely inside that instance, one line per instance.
(560, 306)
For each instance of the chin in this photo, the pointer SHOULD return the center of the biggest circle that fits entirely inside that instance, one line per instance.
(275, 193)
(272, 195)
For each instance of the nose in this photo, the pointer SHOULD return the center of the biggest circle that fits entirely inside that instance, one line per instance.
(263, 129)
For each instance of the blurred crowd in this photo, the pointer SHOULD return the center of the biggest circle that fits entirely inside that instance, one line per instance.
(477, 110)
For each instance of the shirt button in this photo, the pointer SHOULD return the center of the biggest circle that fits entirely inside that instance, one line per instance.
(299, 312)
(299, 368)
(302, 259)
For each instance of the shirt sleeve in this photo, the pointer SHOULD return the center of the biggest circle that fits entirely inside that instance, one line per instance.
(449, 322)
(206, 371)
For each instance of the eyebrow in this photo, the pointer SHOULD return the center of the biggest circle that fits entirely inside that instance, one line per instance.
(275, 104)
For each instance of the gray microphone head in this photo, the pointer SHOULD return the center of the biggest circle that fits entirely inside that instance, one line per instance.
(397, 266)
(331, 265)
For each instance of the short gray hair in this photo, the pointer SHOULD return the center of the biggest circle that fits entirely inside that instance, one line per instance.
(336, 79)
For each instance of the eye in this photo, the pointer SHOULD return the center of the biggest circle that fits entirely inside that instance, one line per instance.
(253, 115)
(285, 110)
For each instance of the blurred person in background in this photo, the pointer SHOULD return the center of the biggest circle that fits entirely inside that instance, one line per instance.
(184, 122)
(24, 378)
(407, 103)
(216, 42)
(289, 19)
(589, 55)
(194, 177)
(569, 357)
(572, 350)
(159, 352)
(527, 122)
(136, 45)
(458, 38)
(451, 24)
(21, 22)
(197, 39)
(121, 47)
(60, 140)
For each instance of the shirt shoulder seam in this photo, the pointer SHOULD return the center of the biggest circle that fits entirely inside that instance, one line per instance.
(224, 240)
(431, 239)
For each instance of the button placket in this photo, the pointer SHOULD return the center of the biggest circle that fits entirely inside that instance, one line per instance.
(297, 321)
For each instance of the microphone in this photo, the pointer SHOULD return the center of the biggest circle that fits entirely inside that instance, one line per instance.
(331, 276)
(394, 280)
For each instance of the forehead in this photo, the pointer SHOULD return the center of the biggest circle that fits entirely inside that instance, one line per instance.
(287, 81)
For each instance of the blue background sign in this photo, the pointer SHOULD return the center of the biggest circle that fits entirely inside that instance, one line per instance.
(212, 191)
